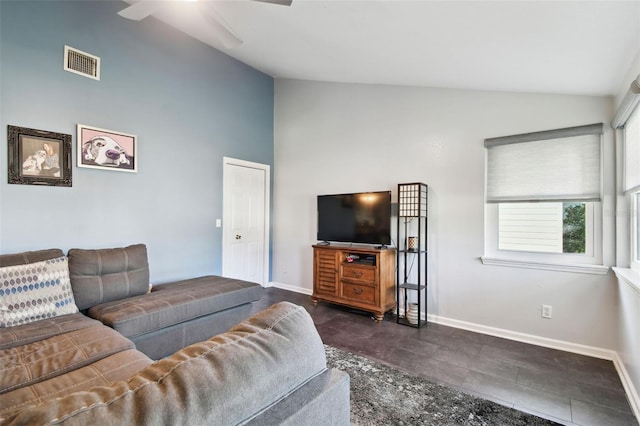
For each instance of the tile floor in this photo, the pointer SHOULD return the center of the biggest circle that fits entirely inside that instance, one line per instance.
(567, 388)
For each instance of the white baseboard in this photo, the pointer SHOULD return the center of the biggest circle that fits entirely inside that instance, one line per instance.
(629, 388)
(295, 289)
(627, 383)
(526, 338)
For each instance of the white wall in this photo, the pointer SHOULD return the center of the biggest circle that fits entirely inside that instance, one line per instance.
(332, 138)
(632, 73)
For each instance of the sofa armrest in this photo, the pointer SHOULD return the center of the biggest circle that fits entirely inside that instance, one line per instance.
(324, 399)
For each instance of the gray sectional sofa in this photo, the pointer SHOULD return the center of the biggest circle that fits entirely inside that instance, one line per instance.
(92, 361)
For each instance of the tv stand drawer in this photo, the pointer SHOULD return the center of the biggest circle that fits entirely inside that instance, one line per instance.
(360, 273)
(358, 292)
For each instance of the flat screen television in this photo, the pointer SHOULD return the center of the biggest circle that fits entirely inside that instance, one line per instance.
(363, 217)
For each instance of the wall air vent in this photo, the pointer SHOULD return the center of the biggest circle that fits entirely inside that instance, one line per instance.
(79, 62)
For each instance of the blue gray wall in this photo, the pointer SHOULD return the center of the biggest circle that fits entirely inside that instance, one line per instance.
(188, 103)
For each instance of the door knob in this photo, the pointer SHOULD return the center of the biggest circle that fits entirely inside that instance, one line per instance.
(238, 237)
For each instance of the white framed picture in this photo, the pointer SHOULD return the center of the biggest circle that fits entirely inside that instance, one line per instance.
(107, 149)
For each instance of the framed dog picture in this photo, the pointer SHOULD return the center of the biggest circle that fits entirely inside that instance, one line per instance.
(107, 149)
(38, 157)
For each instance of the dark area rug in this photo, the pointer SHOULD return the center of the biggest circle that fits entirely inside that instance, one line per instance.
(382, 395)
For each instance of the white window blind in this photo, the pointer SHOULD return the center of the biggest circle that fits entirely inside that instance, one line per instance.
(632, 152)
(554, 165)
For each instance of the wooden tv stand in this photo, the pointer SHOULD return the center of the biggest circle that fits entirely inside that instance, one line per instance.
(367, 283)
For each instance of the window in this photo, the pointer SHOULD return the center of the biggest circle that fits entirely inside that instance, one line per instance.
(636, 233)
(632, 181)
(627, 118)
(543, 194)
(546, 227)
(574, 229)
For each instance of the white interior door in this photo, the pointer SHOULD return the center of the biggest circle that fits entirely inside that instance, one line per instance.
(245, 221)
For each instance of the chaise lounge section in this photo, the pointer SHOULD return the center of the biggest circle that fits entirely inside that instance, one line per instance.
(112, 286)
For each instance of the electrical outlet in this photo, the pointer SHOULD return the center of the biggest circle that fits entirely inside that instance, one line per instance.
(546, 311)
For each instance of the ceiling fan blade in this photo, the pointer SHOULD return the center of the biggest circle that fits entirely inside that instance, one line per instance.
(222, 31)
(280, 2)
(140, 10)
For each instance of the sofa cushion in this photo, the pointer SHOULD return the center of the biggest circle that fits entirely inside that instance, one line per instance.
(256, 363)
(35, 291)
(43, 329)
(99, 276)
(116, 367)
(29, 257)
(27, 364)
(175, 303)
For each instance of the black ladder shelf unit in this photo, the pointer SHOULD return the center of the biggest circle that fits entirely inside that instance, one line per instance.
(412, 253)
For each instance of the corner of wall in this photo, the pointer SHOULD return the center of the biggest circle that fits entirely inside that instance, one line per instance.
(632, 73)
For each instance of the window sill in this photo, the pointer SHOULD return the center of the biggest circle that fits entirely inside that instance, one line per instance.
(629, 277)
(563, 267)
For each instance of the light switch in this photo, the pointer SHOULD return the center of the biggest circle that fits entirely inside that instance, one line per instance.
(218, 223)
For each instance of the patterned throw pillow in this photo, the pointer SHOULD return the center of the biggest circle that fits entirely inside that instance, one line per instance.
(35, 291)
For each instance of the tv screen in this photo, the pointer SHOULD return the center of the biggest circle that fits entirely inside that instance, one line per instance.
(364, 217)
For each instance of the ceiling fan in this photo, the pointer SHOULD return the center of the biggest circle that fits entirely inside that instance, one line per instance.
(221, 29)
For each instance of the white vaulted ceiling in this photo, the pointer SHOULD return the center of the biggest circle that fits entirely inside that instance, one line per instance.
(572, 47)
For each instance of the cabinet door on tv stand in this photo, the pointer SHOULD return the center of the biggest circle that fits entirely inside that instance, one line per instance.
(326, 272)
